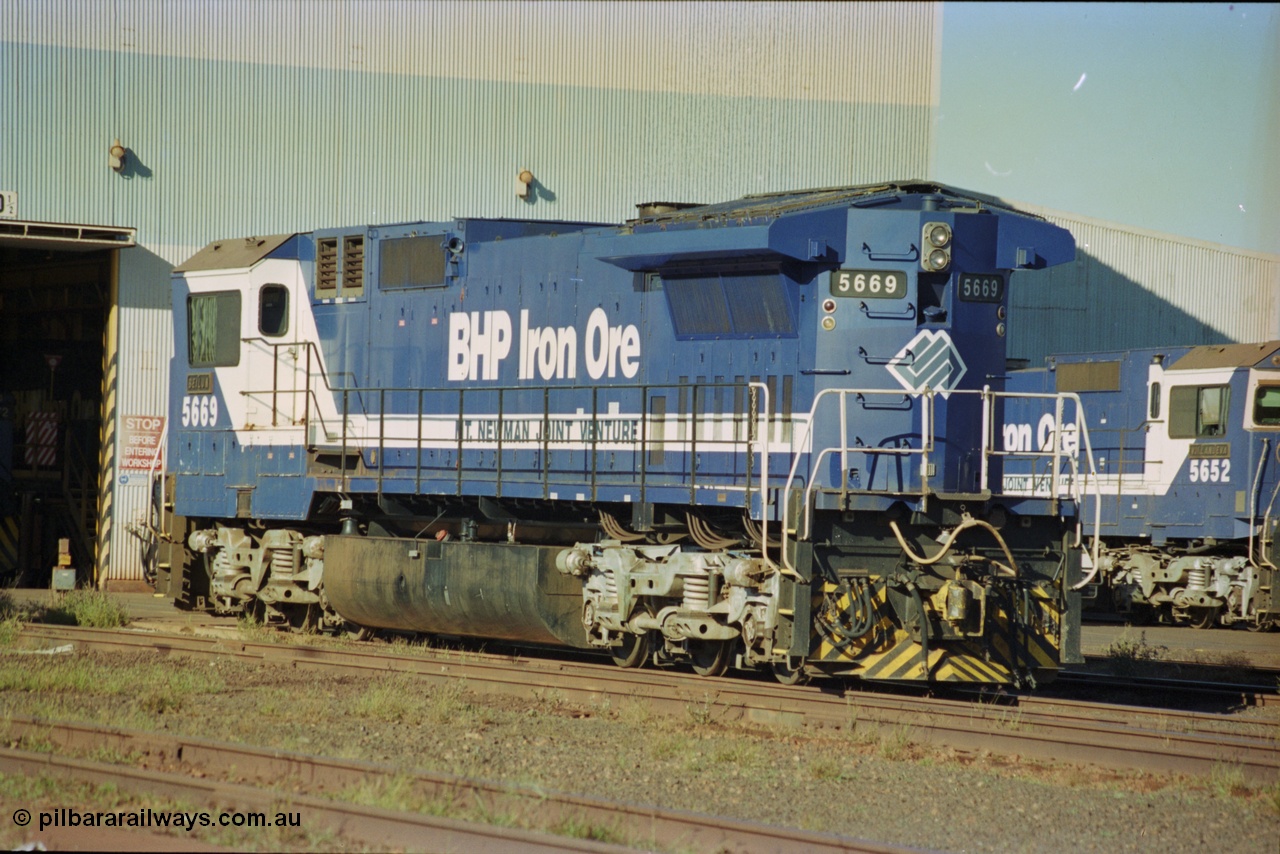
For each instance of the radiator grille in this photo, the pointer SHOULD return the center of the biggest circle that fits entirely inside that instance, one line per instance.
(327, 268)
(353, 266)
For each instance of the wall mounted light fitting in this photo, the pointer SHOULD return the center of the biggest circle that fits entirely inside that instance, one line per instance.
(116, 154)
(523, 180)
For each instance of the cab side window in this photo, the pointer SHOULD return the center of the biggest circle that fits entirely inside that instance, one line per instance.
(273, 310)
(1198, 411)
(213, 330)
(1266, 406)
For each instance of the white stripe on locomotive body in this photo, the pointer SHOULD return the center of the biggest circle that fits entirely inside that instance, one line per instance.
(246, 390)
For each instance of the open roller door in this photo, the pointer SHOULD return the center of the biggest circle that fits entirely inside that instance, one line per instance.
(58, 297)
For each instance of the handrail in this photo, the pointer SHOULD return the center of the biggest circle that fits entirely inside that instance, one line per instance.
(1078, 492)
(1079, 486)
(308, 392)
(500, 393)
(764, 473)
(926, 445)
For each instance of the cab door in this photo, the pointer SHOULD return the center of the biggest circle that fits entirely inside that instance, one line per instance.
(274, 387)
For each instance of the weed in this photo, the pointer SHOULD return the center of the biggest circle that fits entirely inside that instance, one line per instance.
(159, 700)
(1226, 781)
(825, 768)
(702, 712)
(739, 753)
(10, 628)
(576, 827)
(669, 746)
(635, 712)
(1128, 656)
(255, 632)
(392, 699)
(1010, 719)
(550, 700)
(895, 743)
(114, 756)
(91, 608)
(82, 675)
(448, 702)
(390, 793)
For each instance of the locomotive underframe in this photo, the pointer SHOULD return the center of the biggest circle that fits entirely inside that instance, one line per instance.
(1199, 583)
(988, 605)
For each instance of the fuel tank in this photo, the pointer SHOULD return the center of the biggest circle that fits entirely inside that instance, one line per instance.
(492, 590)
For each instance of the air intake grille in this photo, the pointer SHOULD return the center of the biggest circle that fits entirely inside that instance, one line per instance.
(327, 268)
(353, 266)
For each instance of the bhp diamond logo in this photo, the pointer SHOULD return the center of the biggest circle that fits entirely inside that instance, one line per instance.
(929, 360)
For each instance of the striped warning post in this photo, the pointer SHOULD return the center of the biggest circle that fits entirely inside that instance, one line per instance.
(8, 544)
(42, 439)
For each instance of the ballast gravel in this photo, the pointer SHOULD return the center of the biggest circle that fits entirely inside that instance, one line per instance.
(878, 787)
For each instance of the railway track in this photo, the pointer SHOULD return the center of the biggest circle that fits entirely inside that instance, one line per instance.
(252, 778)
(1095, 733)
(1201, 691)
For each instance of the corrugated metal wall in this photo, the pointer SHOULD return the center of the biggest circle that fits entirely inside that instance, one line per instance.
(265, 117)
(268, 116)
(1134, 288)
(135, 384)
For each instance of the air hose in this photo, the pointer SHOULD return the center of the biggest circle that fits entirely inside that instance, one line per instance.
(967, 522)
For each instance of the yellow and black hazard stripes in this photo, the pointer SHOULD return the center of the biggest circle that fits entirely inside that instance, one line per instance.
(1034, 648)
(949, 661)
(852, 621)
(1008, 633)
(8, 545)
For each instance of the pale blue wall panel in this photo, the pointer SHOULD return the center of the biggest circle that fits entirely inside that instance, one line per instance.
(220, 149)
(253, 117)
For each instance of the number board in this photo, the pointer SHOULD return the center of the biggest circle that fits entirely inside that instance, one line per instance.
(869, 284)
(985, 287)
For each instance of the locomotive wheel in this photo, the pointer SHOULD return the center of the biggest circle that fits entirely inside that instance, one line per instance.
(305, 620)
(352, 631)
(710, 658)
(632, 652)
(1141, 615)
(785, 674)
(1202, 618)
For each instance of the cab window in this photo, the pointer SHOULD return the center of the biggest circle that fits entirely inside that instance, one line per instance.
(1266, 406)
(273, 310)
(1198, 411)
(213, 330)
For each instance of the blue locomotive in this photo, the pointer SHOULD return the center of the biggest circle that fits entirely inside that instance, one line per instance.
(753, 434)
(1187, 449)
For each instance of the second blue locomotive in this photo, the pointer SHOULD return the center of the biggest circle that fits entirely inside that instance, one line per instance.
(1187, 445)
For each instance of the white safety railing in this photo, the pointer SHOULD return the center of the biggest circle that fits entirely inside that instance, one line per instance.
(1077, 486)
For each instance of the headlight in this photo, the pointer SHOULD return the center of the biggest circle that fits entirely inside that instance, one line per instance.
(937, 260)
(935, 237)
